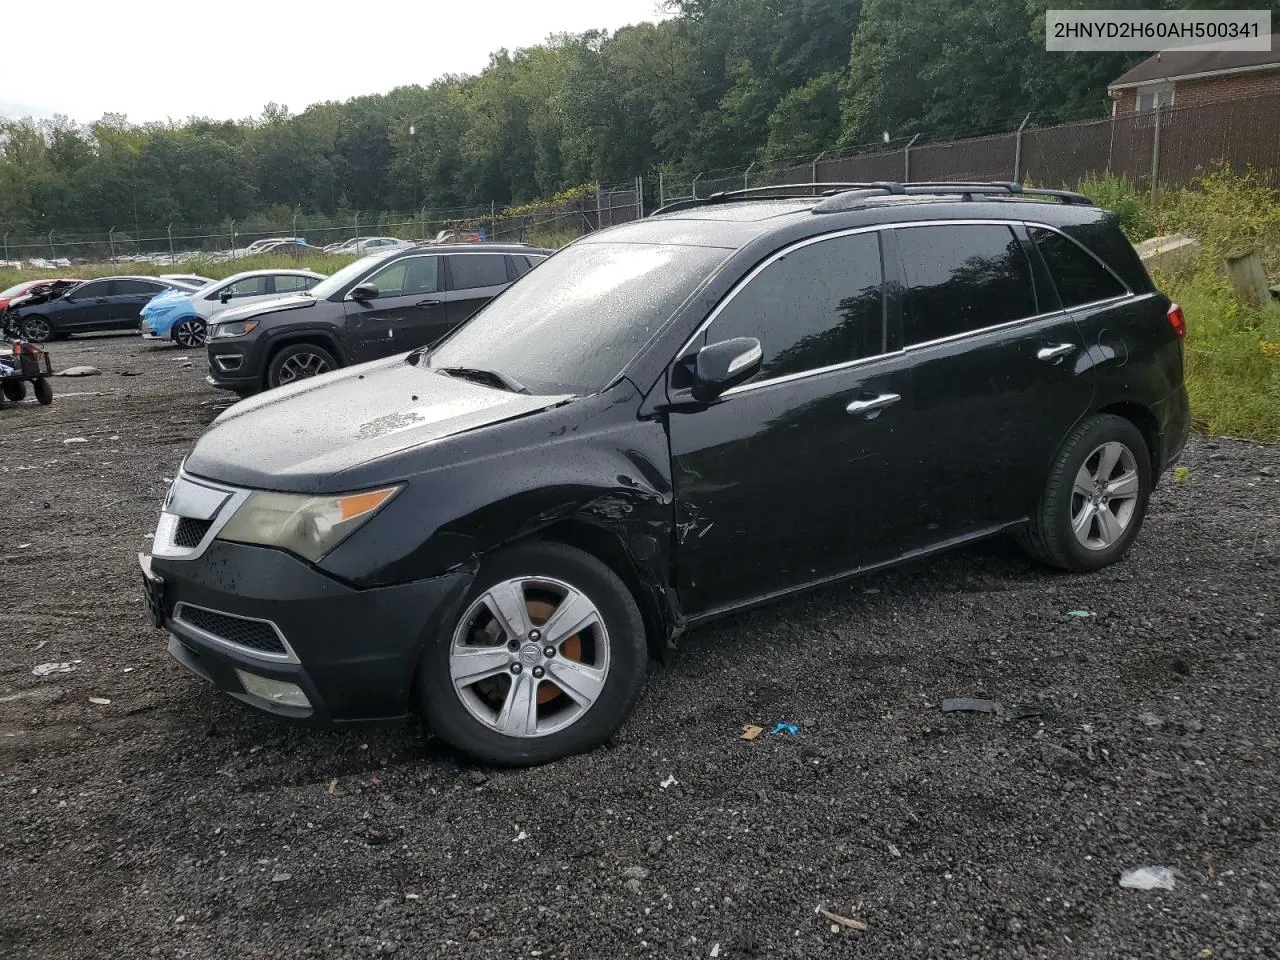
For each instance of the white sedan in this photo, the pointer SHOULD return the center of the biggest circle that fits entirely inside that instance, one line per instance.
(184, 317)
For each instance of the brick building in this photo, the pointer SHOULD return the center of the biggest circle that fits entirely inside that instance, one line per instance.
(1188, 77)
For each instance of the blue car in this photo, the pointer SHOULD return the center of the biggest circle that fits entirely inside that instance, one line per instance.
(184, 317)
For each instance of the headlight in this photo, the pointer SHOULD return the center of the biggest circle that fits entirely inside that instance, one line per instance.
(307, 526)
(239, 329)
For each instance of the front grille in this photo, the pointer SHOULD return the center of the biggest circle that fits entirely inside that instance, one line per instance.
(254, 634)
(190, 532)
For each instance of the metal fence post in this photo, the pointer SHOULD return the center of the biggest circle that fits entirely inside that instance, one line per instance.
(170, 231)
(746, 177)
(295, 224)
(1155, 154)
(1017, 150)
(813, 177)
(6, 246)
(493, 220)
(599, 218)
(662, 193)
(53, 254)
(906, 159)
(695, 185)
(356, 226)
(111, 242)
(639, 198)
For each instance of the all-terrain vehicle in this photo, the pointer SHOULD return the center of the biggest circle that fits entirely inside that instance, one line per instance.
(21, 363)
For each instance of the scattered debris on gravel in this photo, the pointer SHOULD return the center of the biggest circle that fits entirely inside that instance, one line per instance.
(178, 823)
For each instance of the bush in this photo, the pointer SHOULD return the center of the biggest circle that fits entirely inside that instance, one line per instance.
(1122, 195)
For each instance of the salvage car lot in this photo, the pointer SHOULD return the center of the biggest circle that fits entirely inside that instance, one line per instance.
(174, 819)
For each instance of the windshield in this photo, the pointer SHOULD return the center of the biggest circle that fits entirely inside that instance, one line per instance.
(336, 281)
(571, 325)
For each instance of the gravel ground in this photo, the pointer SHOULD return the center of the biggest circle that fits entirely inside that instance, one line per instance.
(173, 822)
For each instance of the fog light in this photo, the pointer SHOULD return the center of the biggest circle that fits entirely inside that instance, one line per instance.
(273, 691)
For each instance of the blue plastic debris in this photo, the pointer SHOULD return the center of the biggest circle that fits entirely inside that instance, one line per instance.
(788, 728)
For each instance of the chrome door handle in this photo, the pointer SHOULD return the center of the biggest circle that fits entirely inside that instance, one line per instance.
(1053, 353)
(428, 303)
(872, 405)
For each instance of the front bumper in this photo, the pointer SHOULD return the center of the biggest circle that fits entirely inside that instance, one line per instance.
(235, 363)
(353, 653)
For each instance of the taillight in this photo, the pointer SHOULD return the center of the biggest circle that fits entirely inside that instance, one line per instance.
(1177, 320)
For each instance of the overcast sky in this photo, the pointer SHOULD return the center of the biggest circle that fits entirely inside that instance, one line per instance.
(160, 60)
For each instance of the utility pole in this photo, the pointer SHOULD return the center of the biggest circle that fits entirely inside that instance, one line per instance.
(170, 232)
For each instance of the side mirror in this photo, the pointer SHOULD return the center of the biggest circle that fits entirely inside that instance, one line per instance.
(226, 296)
(722, 366)
(364, 292)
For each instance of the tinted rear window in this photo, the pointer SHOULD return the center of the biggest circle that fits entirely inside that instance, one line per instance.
(1078, 276)
(122, 287)
(962, 278)
(1107, 242)
(471, 270)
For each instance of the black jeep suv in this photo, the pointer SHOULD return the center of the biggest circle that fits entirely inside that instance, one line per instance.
(386, 303)
(731, 401)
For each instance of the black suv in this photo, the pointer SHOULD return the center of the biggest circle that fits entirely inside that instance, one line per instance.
(386, 303)
(731, 401)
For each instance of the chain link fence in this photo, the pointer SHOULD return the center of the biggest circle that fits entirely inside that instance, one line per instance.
(546, 224)
(1166, 148)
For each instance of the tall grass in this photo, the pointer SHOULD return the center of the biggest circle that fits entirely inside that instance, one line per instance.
(1232, 349)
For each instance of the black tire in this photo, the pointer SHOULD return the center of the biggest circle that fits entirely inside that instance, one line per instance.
(37, 329)
(44, 392)
(1049, 536)
(189, 332)
(442, 706)
(14, 390)
(288, 357)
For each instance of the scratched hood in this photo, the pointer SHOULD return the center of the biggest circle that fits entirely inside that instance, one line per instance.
(301, 437)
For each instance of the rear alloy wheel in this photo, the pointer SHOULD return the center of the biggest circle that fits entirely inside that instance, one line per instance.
(1096, 497)
(546, 660)
(300, 361)
(37, 329)
(189, 332)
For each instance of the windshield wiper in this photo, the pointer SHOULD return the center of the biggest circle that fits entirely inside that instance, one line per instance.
(490, 377)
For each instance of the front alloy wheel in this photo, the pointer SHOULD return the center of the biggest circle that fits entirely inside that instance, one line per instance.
(36, 329)
(530, 657)
(189, 332)
(547, 658)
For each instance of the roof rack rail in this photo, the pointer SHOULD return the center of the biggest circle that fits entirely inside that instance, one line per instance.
(844, 195)
(786, 190)
(968, 189)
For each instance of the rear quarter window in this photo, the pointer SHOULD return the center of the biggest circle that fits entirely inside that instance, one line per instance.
(1079, 277)
(1104, 238)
